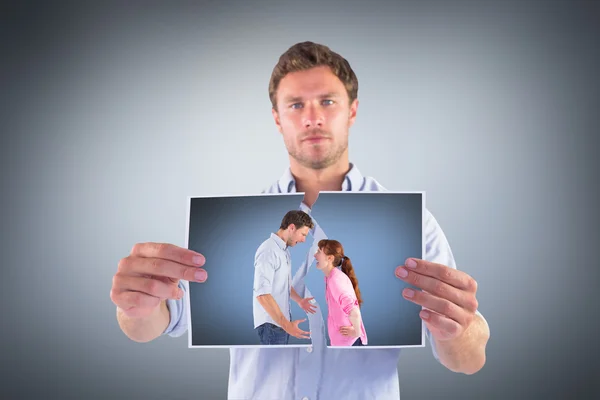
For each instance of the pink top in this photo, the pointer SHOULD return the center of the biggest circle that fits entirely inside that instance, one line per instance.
(341, 299)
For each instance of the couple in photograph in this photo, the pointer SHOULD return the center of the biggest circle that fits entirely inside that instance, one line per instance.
(273, 289)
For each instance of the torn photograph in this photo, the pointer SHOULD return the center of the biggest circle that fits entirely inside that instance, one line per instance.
(281, 274)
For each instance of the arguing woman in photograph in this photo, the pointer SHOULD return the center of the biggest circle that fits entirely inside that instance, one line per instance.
(344, 319)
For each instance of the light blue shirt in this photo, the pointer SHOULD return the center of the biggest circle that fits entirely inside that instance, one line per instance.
(317, 372)
(272, 275)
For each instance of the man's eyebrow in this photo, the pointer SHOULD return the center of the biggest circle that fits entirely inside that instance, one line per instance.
(292, 99)
(329, 95)
(297, 99)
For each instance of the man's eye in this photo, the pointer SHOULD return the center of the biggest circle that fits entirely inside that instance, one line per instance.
(328, 102)
(296, 105)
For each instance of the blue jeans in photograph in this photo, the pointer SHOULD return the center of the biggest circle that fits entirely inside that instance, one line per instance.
(272, 334)
(358, 343)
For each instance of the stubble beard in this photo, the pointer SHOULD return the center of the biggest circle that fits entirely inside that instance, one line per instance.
(325, 159)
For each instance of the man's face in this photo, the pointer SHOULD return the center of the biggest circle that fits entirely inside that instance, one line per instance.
(297, 235)
(314, 116)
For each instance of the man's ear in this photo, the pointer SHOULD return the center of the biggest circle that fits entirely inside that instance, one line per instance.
(353, 111)
(277, 120)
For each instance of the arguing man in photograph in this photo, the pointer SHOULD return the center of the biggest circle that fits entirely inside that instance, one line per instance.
(273, 282)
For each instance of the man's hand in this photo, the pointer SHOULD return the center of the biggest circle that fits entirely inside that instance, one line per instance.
(447, 296)
(150, 274)
(348, 331)
(294, 330)
(307, 305)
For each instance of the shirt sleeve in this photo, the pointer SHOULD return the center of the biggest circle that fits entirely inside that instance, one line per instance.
(344, 294)
(178, 311)
(437, 250)
(265, 265)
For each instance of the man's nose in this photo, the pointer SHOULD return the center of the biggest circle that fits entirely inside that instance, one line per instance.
(313, 117)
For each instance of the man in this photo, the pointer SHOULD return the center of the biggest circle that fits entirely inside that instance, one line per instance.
(314, 103)
(273, 282)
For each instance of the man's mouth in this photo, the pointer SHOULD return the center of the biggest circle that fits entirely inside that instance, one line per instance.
(315, 136)
(315, 139)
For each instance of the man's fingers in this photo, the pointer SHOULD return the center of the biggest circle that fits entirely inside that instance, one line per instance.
(441, 306)
(302, 335)
(311, 309)
(128, 300)
(297, 332)
(450, 276)
(151, 273)
(446, 327)
(439, 288)
(161, 267)
(153, 287)
(170, 252)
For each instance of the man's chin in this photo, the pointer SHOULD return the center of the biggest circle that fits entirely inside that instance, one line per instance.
(318, 163)
(314, 161)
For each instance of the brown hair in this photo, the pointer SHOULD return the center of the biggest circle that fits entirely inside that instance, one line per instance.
(298, 218)
(306, 55)
(334, 248)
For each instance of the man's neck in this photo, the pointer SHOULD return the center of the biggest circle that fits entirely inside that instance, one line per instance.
(312, 181)
(282, 236)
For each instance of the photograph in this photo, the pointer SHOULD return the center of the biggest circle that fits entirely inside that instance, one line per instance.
(278, 267)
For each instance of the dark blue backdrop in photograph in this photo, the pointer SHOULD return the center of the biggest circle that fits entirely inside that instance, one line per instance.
(378, 230)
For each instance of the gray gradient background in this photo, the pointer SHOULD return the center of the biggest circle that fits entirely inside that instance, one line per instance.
(113, 115)
(378, 231)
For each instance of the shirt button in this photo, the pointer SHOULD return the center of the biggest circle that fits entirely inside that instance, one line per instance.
(305, 398)
(309, 349)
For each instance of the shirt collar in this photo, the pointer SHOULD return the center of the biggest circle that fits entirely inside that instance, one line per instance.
(279, 241)
(352, 181)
